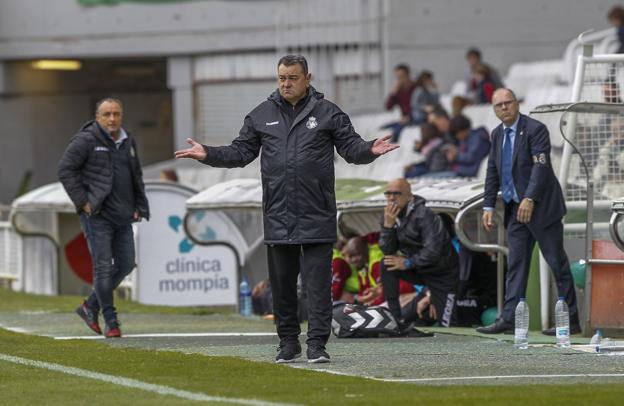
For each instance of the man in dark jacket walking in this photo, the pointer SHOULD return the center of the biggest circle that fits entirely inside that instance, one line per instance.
(297, 130)
(418, 249)
(101, 173)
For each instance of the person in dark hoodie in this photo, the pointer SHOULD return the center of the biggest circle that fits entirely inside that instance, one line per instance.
(296, 129)
(417, 248)
(101, 172)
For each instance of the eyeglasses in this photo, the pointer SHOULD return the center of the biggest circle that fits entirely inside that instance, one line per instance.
(388, 193)
(505, 104)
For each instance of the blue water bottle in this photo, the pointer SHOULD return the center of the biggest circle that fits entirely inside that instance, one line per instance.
(244, 302)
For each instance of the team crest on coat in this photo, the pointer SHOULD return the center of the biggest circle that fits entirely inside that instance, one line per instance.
(312, 123)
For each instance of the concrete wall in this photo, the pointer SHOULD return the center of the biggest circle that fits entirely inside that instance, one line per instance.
(64, 28)
(434, 34)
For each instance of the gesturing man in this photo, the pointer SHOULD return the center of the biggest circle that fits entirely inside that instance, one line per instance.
(101, 173)
(297, 130)
(519, 166)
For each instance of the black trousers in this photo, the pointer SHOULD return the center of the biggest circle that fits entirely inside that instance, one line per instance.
(314, 261)
(441, 281)
(521, 239)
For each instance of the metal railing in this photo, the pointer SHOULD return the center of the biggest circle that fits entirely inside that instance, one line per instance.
(603, 41)
(499, 248)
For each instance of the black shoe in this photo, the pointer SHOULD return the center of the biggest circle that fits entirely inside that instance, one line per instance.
(574, 329)
(317, 354)
(89, 316)
(499, 326)
(288, 353)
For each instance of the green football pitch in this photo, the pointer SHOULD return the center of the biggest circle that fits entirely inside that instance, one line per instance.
(190, 355)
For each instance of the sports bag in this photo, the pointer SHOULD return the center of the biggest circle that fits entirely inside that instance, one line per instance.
(357, 321)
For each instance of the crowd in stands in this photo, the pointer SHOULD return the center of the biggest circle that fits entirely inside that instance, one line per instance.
(448, 144)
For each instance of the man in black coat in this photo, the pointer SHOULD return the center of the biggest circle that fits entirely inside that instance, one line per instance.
(101, 173)
(297, 130)
(519, 166)
(417, 248)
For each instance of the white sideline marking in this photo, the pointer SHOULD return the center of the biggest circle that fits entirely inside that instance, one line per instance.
(133, 383)
(468, 378)
(16, 329)
(158, 335)
(460, 378)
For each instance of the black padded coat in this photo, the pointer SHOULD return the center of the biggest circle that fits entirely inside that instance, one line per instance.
(297, 165)
(86, 169)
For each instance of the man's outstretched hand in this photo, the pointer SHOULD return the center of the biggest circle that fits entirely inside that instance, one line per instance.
(196, 151)
(383, 145)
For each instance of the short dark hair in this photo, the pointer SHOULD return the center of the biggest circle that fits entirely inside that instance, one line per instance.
(290, 60)
(439, 111)
(403, 67)
(473, 52)
(459, 123)
(616, 13)
(108, 100)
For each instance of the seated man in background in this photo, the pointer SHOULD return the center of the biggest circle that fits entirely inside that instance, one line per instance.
(475, 63)
(365, 258)
(345, 283)
(474, 146)
(418, 249)
(401, 96)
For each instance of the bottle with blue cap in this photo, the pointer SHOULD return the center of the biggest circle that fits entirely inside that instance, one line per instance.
(244, 302)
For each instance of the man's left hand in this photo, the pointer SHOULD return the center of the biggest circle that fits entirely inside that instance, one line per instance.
(525, 211)
(383, 145)
(394, 263)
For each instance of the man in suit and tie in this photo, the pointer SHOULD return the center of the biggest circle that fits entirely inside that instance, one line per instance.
(519, 166)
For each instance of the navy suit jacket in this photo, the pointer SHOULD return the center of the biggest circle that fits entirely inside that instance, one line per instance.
(532, 172)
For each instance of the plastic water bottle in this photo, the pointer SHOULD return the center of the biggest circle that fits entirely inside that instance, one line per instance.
(521, 332)
(596, 340)
(244, 302)
(562, 323)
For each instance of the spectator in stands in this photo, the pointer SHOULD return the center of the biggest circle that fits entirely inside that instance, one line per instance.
(101, 173)
(433, 147)
(616, 19)
(473, 58)
(440, 118)
(425, 97)
(299, 202)
(345, 284)
(609, 170)
(484, 85)
(417, 248)
(474, 146)
(400, 95)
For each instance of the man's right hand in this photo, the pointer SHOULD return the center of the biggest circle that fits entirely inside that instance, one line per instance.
(488, 219)
(391, 211)
(87, 208)
(195, 152)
